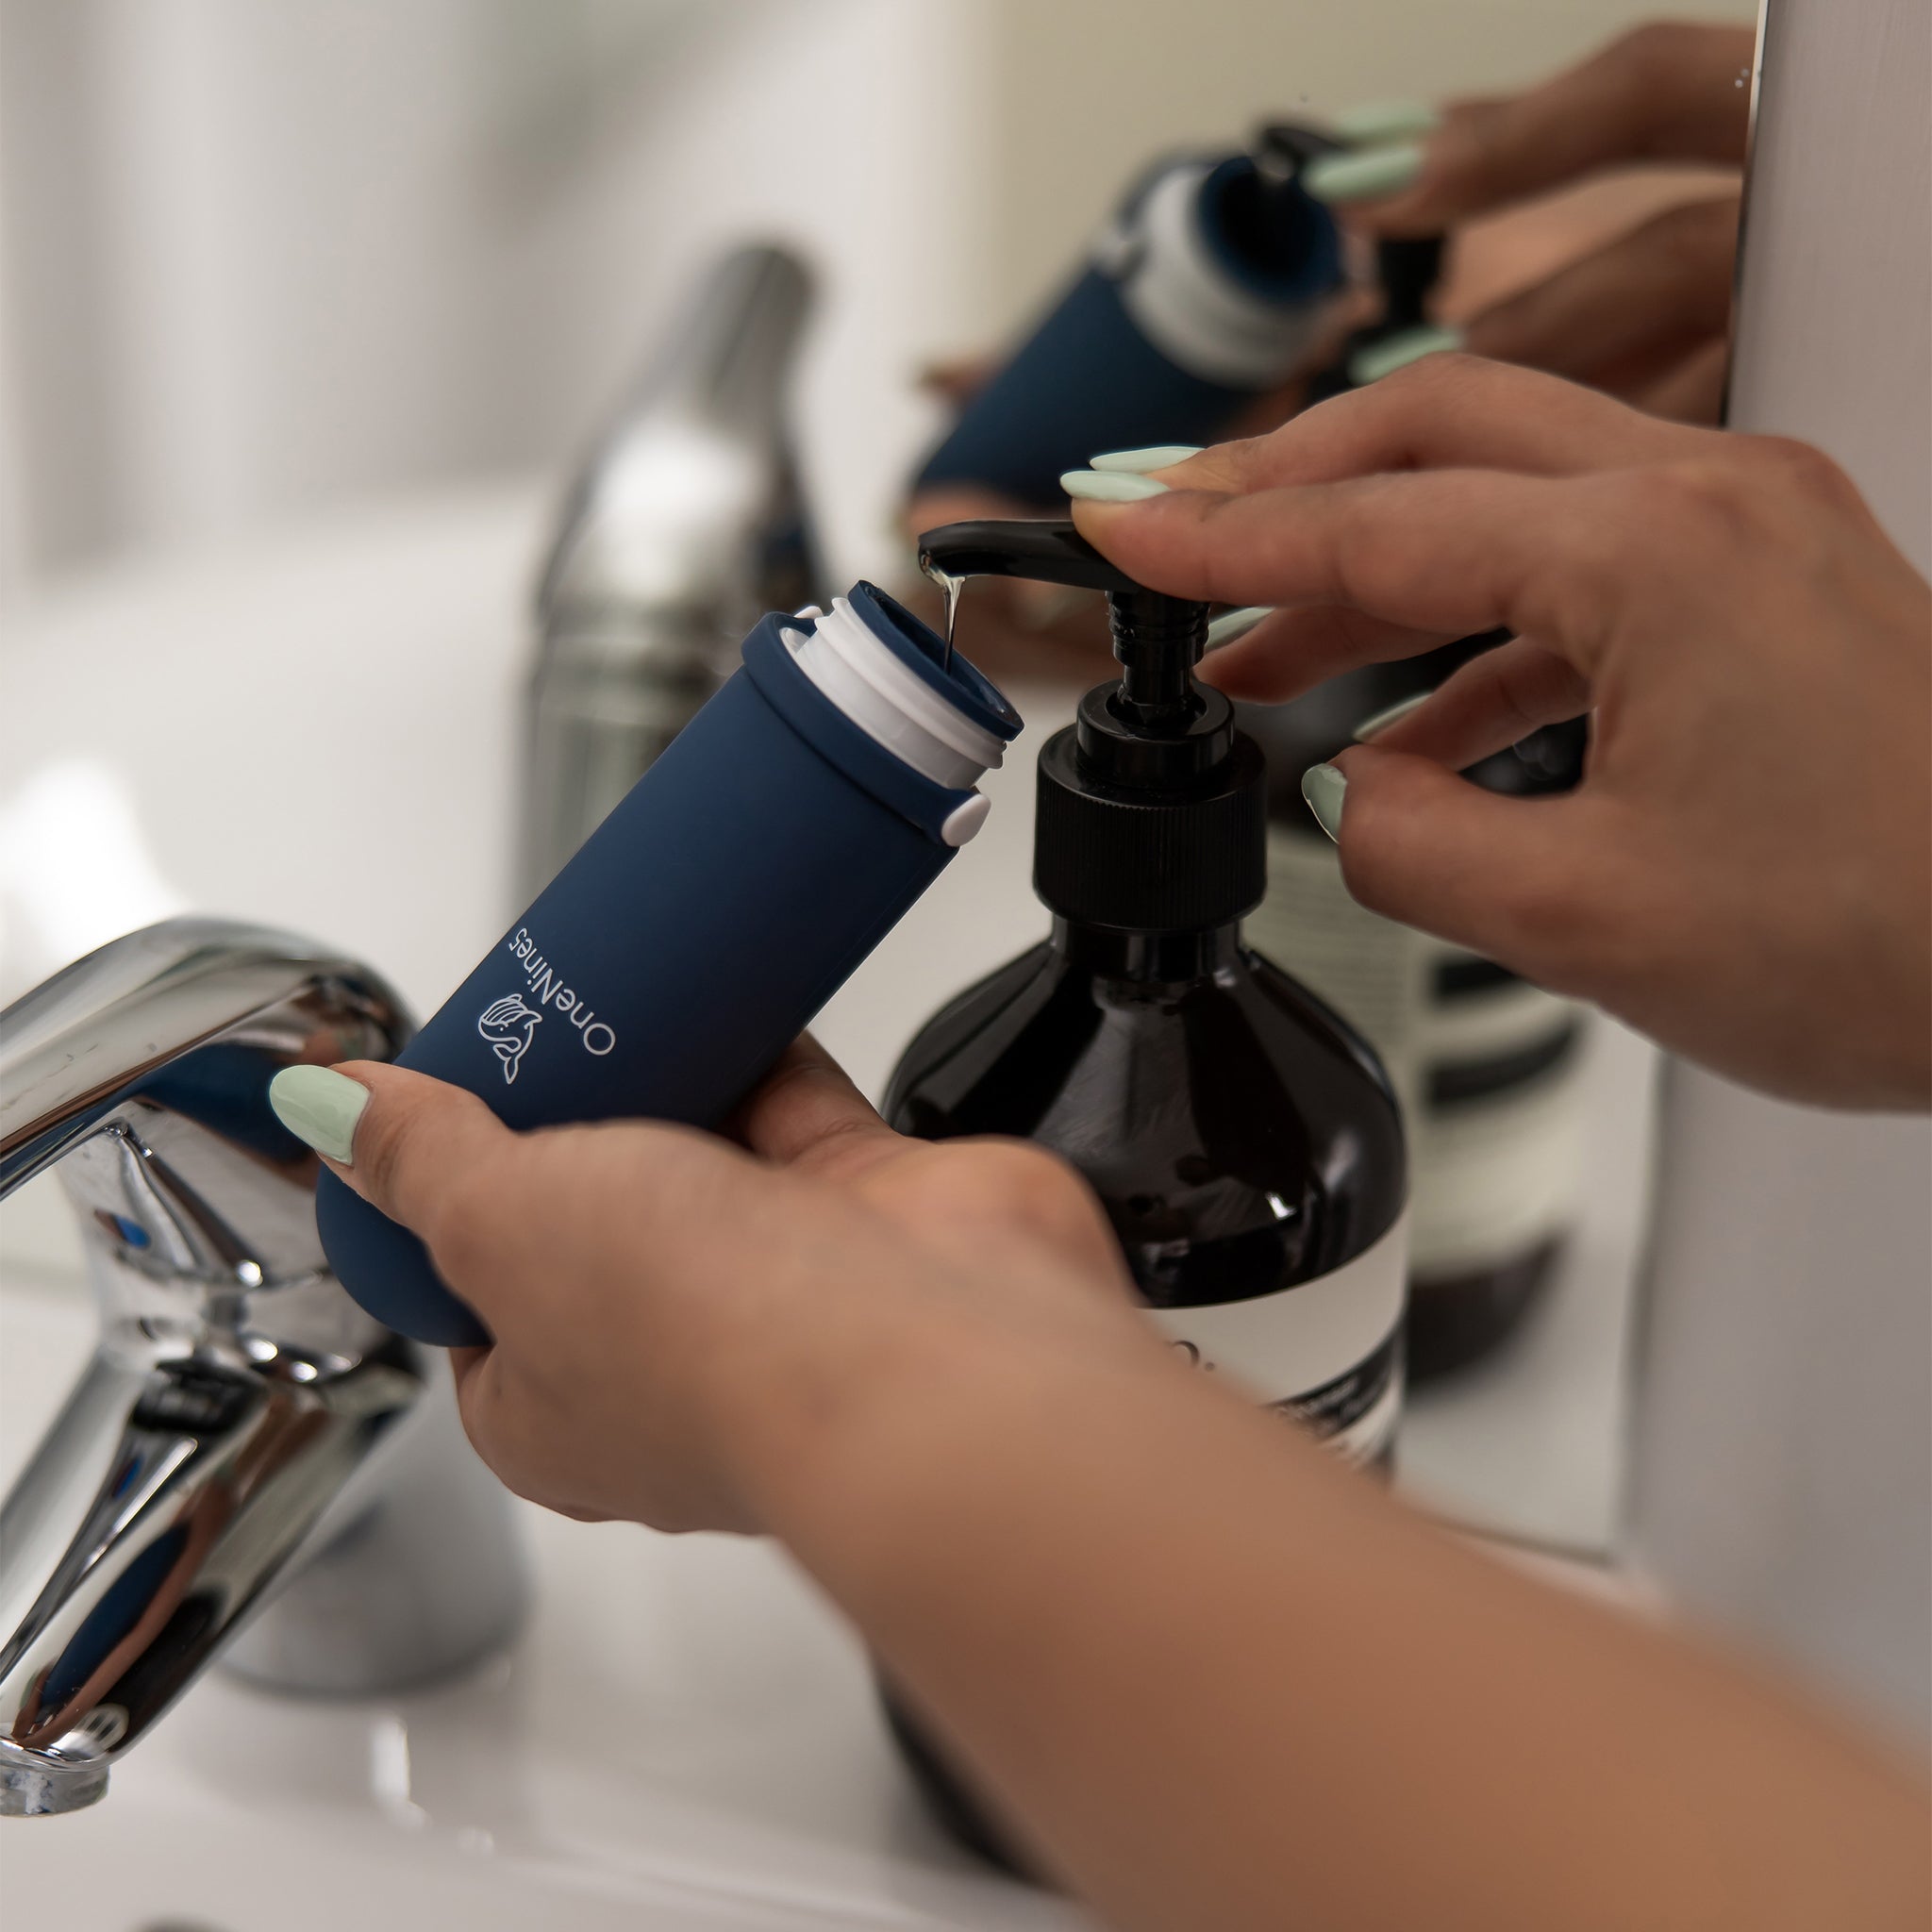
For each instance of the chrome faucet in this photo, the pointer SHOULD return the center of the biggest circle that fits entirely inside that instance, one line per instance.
(684, 526)
(242, 1424)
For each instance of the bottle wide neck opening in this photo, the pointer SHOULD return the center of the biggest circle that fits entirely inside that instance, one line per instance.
(1166, 958)
(881, 668)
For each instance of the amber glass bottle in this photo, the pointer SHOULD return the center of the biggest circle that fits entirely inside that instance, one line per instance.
(1241, 1135)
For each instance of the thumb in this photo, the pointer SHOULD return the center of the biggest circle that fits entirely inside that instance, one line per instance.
(400, 1140)
(1510, 878)
(808, 1113)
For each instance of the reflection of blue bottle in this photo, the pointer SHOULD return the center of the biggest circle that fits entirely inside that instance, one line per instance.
(1205, 291)
(732, 890)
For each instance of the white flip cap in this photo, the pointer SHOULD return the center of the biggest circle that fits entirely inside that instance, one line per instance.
(890, 702)
(1194, 311)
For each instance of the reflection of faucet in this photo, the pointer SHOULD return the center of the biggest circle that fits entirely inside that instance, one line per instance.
(239, 1412)
(684, 526)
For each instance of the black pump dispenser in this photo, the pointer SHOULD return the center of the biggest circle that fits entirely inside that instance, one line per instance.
(1153, 808)
(1242, 1139)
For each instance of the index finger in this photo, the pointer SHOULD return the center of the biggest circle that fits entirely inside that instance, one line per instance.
(1448, 552)
(1444, 410)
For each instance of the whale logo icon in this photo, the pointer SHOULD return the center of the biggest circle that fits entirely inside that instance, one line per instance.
(508, 1025)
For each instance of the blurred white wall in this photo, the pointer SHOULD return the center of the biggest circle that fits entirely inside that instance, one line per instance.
(259, 259)
(255, 259)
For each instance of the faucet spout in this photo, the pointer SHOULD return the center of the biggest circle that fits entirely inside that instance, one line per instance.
(240, 1411)
(685, 524)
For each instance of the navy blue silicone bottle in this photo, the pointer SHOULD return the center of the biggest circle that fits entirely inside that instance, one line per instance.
(726, 897)
(1205, 290)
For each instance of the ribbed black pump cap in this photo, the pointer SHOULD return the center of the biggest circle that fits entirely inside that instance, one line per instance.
(1151, 807)
(1148, 857)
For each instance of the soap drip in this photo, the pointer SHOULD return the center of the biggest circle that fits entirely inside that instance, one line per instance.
(951, 588)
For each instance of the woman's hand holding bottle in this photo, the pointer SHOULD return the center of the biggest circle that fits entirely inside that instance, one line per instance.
(681, 1322)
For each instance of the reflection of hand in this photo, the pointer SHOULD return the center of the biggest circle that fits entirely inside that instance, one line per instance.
(1744, 869)
(1645, 316)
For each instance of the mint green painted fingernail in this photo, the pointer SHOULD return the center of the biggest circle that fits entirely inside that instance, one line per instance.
(1364, 174)
(1231, 624)
(1156, 457)
(1377, 359)
(1110, 485)
(1324, 788)
(1391, 714)
(1386, 121)
(321, 1107)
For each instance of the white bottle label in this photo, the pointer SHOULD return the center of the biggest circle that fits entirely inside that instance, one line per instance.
(1326, 1351)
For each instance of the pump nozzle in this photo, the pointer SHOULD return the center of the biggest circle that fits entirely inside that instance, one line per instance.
(1157, 639)
(1050, 551)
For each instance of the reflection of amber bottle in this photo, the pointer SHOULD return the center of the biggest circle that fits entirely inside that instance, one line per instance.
(1488, 1066)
